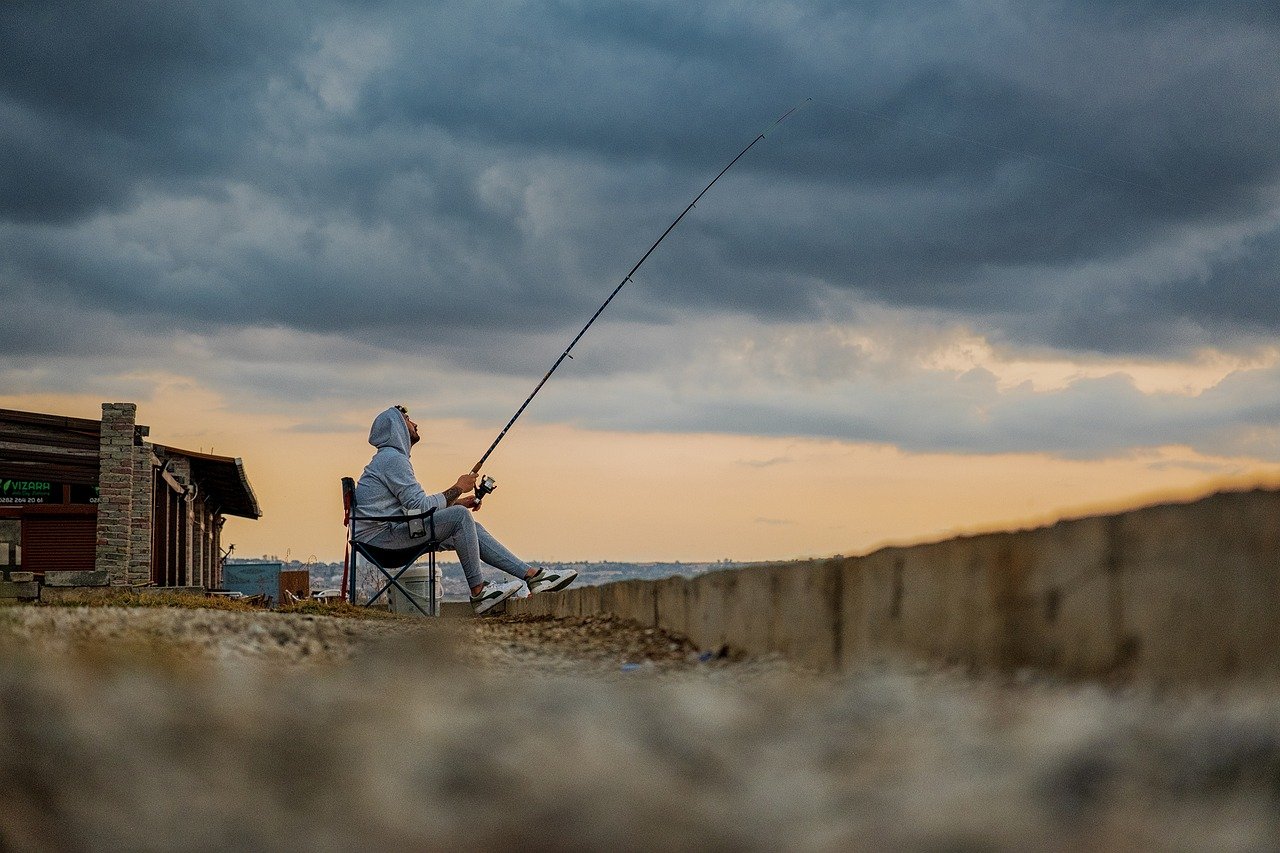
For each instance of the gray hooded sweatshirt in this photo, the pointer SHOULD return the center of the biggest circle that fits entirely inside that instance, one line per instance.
(388, 485)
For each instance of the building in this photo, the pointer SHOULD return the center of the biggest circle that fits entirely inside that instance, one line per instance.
(78, 494)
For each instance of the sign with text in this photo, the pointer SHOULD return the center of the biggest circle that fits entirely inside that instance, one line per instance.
(18, 492)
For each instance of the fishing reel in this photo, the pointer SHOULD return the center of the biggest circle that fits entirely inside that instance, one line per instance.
(486, 485)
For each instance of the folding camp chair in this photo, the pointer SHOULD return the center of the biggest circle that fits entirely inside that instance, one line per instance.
(388, 560)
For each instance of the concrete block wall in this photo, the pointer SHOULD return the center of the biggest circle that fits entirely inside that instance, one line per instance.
(1171, 593)
(1217, 592)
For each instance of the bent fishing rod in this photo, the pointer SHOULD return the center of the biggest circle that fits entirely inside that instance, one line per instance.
(487, 484)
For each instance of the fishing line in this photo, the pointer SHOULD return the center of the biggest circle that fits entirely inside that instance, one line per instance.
(486, 485)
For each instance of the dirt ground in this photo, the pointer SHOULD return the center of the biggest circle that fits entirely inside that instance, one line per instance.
(533, 644)
(158, 728)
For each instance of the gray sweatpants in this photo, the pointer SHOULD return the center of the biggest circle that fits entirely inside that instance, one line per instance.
(459, 531)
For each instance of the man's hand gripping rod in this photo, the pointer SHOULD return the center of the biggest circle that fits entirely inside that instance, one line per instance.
(487, 484)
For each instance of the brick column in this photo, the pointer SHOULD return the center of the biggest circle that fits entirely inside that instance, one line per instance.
(143, 508)
(115, 489)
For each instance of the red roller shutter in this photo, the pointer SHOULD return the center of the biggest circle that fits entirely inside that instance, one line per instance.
(59, 543)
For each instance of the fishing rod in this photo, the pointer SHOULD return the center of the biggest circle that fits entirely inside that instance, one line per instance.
(487, 484)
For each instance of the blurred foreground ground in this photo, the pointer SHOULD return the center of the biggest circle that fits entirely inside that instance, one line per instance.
(148, 729)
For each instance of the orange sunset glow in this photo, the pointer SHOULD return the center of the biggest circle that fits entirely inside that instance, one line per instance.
(572, 494)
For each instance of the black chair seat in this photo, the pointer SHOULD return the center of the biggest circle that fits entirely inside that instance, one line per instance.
(394, 558)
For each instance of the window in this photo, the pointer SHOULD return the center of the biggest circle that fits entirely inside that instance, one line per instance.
(10, 544)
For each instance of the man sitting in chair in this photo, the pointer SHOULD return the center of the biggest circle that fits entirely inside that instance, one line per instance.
(388, 486)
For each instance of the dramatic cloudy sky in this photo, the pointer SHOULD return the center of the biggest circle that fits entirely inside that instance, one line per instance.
(1010, 258)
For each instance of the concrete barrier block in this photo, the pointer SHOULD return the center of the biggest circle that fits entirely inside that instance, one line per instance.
(561, 604)
(747, 618)
(1072, 621)
(1252, 522)
(642, 602)
(567, 603)
(710, 598)
(882, 592)
(1026, 598)
(543, 605)
(975, 623)
(1177, 606)
(853, 612)
(547, 604)
(804, 612)
(938, 600)
(586, 601)
(632, 599)
(22, 577)
(1010, 575)
(531, 606)
(672, 604)
(23, 591)
(610, 598)
(928, 589)
(65, 578)
(1199, 586)
(695, 624)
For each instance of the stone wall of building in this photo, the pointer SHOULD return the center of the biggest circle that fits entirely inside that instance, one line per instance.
(117, 467)
(133, 476)
(143, 498)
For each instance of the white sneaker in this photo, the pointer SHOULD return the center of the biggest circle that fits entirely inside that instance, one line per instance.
(548, 581)
(492, 594)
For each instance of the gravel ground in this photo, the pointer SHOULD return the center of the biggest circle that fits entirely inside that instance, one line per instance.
(159, 729)
(532, 644)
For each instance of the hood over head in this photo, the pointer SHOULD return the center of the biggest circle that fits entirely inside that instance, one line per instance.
(390, 430)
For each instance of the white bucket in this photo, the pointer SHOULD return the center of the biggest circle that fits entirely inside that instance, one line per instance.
(415, 580)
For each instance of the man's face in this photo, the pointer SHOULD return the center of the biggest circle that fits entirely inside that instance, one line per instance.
(413, 429)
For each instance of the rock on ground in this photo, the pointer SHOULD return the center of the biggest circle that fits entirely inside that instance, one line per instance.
(158, 729)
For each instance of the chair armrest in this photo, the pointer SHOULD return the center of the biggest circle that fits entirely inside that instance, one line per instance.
(414, 517)
(416, 528)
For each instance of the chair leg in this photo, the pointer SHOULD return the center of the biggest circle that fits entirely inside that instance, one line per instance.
(394, 580)
(355, 561)
(431, 584)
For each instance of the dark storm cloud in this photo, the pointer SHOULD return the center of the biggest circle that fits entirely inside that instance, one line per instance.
(103, 99)
(942, 150)
(464, 182)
